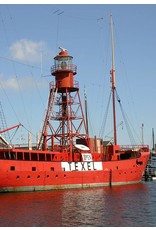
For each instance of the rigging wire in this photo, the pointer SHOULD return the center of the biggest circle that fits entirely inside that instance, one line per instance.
(126, 78)
(4, 123)
(90, 124)
(131, 137)
(102, 130)
(13, 62)
(21, 63)
(58, 26)
(1, 81)
(14, 134)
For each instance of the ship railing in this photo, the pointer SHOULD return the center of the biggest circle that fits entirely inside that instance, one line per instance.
(56, 147)
(59, 116)
(52, 85)
(68, 67)
(144, 148)
(20, 146)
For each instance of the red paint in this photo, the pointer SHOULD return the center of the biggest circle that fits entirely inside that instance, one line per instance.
(57, 163)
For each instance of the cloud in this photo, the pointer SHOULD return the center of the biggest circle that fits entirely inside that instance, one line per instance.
(27, 50)
(10, 83)
(25, 83)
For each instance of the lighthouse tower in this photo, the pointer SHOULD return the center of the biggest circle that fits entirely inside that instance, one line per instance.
(64, 123)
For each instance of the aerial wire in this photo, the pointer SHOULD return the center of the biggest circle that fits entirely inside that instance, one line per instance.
(13, 62)
(58, 12)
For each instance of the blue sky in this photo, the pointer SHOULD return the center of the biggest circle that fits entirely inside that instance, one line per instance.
(31, 31)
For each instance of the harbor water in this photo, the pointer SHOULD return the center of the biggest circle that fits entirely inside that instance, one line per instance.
(126, 206)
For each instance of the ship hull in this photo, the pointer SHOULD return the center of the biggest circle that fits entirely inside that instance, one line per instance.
(37, 176)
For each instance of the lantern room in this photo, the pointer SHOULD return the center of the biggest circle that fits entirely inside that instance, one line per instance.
(64, 70)
(62, 62)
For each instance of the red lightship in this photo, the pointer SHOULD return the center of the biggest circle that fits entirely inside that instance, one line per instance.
(65, 157)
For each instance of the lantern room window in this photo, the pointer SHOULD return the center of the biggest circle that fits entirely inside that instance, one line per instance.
(62, 63)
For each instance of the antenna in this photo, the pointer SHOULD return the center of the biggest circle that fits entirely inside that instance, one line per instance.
(62, 49)
(58, 13)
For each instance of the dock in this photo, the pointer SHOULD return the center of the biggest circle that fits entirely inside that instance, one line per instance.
(149, 174)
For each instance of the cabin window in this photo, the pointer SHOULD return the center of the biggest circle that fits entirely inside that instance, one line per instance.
(7, 155)
(12, 168)
(125, 156)
(41, 157)
(26, 157)
(34, 156)
(53, 156)
(138, 154)
(48, 156)
(138, 162)
(19, 156)
(13, 155)
(33, 168)
(52, 168)
(2, 155)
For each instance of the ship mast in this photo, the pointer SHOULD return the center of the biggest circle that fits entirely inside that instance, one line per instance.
(113, 81)
(86, 111)
(153, 138)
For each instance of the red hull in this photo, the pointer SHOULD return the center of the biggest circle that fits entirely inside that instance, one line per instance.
(19, 175)
(66, 157)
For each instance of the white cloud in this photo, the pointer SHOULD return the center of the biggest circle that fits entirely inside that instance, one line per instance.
(25, 83)
(10, 83)
(27, 50)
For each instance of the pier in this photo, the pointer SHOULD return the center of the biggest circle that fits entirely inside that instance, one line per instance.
(149, 174)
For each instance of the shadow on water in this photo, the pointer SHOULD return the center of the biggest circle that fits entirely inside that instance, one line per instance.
(130, 205)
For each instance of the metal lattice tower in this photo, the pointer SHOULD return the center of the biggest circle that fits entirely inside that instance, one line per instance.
(64, 121)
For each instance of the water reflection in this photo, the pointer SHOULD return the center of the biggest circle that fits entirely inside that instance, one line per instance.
(116, 206)
(103, 206)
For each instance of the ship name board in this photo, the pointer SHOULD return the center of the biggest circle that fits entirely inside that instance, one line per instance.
(81, 166)
(86, 156)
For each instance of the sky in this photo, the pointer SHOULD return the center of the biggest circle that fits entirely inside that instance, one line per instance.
(30, 37)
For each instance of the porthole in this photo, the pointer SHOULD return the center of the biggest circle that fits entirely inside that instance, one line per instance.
(33, 168)
(12, 168)
(17, 177)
